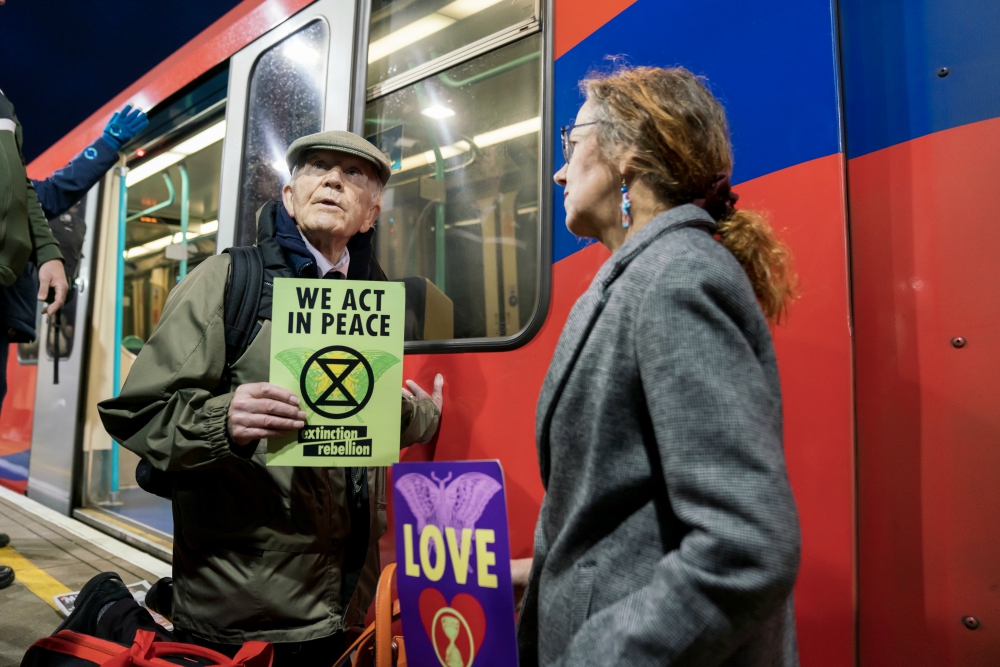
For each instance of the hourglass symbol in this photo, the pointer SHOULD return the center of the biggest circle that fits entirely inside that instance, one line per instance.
(456, 630)
(460, 643)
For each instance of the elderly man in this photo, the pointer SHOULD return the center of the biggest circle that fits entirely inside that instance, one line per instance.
(286, 555)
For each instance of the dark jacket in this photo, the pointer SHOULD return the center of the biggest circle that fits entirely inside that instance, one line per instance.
(268, 553)
(24, 231)
(668, 534)
(56, 195)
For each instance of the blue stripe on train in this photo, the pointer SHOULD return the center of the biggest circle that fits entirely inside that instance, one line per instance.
(892, 51)
(14, 467)
(773, 64)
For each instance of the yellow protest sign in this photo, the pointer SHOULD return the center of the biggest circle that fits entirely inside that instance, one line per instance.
(338, 346)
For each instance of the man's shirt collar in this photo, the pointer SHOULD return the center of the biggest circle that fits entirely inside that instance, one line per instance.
(325, 266)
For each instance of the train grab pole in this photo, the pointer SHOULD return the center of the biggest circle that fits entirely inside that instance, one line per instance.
(119, 307)
(185, 206)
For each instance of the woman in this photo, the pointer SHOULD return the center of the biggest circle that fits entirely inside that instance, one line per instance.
(668, 534)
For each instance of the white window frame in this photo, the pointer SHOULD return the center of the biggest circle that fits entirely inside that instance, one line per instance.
(339, 16)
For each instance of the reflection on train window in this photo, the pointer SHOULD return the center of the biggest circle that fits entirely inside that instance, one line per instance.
(287, 86)
(408, 33)
(181, 182)
(459, 217)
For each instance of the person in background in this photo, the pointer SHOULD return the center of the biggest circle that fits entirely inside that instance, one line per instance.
(55, 195)
(26, 237)
(270, 553)
(668, 534)
(30, 241)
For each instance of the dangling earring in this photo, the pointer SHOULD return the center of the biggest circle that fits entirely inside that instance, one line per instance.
(626, 206)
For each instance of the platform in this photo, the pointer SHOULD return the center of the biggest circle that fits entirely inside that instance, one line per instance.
(54, 554)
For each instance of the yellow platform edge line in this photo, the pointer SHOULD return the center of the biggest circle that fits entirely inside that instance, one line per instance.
(37, 580)
(129, 528)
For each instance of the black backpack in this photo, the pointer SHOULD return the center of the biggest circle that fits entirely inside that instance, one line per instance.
(246, 290)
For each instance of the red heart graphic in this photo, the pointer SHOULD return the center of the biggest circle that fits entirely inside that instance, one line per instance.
(470, 617)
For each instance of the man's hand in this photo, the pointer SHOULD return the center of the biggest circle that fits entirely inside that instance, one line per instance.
(416, 391)
(52, 274)
(262, 410)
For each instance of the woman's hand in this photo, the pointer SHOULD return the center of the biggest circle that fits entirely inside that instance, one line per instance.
(520, 569)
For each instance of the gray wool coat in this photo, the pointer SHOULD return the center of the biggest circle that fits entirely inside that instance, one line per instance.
(668, 534)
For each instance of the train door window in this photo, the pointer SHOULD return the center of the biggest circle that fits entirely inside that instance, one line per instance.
(460, 218)
(285, 102)
(411, 34)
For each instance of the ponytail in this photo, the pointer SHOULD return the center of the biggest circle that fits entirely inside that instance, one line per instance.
(765, 259)
(677, 137)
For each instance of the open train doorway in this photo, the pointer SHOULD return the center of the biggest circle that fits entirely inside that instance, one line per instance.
(171, 183)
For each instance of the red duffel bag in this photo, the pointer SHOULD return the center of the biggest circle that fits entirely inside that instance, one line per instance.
(72, 649)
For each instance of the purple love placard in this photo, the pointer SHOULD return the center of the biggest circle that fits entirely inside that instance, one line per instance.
(453, 564)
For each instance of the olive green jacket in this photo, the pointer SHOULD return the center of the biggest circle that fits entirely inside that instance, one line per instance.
(24, 232)
(258, 550)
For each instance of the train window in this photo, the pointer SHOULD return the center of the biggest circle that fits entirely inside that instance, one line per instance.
(460, 215)
(184, 176)
(287, 87)
(405, 34)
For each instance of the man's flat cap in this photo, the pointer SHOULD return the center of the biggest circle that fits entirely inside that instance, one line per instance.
(345, 142)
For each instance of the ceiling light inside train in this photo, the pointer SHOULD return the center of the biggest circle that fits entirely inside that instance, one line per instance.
(438, 112)
(205, 229)
(493, 137)
(425, 27)
(203, 139)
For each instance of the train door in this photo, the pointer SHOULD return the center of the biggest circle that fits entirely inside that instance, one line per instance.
(171, 192)
(60, 350)
(293, 81)
(923, 131)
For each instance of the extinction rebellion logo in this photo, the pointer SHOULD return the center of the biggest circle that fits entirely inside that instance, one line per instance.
(346, 394)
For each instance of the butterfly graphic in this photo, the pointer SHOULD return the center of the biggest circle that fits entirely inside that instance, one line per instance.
(457, 505)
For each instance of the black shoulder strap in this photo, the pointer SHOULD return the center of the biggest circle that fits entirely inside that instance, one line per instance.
(242, 304)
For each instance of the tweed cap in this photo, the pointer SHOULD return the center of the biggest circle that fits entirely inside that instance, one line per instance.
(345, 142)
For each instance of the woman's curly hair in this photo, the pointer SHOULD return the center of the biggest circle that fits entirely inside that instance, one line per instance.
(676, 133)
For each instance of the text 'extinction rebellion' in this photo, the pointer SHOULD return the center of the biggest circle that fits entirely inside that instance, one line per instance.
(335, 441)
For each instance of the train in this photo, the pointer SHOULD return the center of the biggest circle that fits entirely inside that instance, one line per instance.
(868, 132)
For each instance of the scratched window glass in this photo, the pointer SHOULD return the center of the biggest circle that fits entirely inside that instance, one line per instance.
(459, 221)
(404, 34)
(285, 102)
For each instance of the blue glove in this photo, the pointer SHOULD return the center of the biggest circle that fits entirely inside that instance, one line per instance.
(124, 125)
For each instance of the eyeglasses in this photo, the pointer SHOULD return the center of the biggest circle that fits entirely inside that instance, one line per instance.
(566, 145)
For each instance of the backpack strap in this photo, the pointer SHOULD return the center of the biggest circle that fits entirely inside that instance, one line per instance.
(67, 642)
(244, 287)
